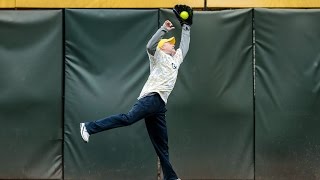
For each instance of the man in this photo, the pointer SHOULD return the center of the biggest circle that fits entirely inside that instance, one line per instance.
(164, 64)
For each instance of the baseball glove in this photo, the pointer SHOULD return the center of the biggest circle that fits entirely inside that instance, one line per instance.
(178, 9)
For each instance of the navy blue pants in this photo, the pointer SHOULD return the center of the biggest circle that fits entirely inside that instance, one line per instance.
(152, 109)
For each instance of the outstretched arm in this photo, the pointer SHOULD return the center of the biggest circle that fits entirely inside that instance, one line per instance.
(153, 42)
(185, 39)
(185, 25)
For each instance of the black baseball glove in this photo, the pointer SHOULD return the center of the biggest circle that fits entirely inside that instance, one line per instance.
(178, 9)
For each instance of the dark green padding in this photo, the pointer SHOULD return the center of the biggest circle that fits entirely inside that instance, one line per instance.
(31, 94)
(210, 111)
(106, 68)
(287, 94)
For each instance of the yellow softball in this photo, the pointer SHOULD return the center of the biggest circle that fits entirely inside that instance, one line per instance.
(184, 15)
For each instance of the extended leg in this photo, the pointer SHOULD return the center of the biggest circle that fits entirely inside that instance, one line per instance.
(141, 109)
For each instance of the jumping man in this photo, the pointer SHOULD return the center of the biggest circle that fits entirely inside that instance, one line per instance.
(165, 61)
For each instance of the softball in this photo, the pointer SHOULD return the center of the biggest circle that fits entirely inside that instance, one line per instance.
(184, 15)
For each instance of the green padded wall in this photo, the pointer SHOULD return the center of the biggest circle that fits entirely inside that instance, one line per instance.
(31, 94)
(287, 94)
(106, 68)
(210, 111)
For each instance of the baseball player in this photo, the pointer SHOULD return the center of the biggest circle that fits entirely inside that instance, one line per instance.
(165, 61)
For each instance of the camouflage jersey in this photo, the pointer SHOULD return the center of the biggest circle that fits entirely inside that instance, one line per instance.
(164, 67)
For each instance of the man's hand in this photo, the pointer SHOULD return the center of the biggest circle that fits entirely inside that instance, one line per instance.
(168, 25)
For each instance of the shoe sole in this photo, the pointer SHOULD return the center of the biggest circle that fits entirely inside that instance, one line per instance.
(81, 131)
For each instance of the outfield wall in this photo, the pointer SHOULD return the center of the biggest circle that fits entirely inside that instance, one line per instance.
(245, 105)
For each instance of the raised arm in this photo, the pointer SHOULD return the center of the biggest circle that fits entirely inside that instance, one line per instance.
(153, 42)
(186, 23)
(185, 39)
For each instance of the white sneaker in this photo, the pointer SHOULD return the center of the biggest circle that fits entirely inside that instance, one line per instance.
(84, 133)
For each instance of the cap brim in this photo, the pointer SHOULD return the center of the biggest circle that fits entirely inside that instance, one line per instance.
(172, 40)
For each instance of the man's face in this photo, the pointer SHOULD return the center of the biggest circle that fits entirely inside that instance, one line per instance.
(168, 48)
